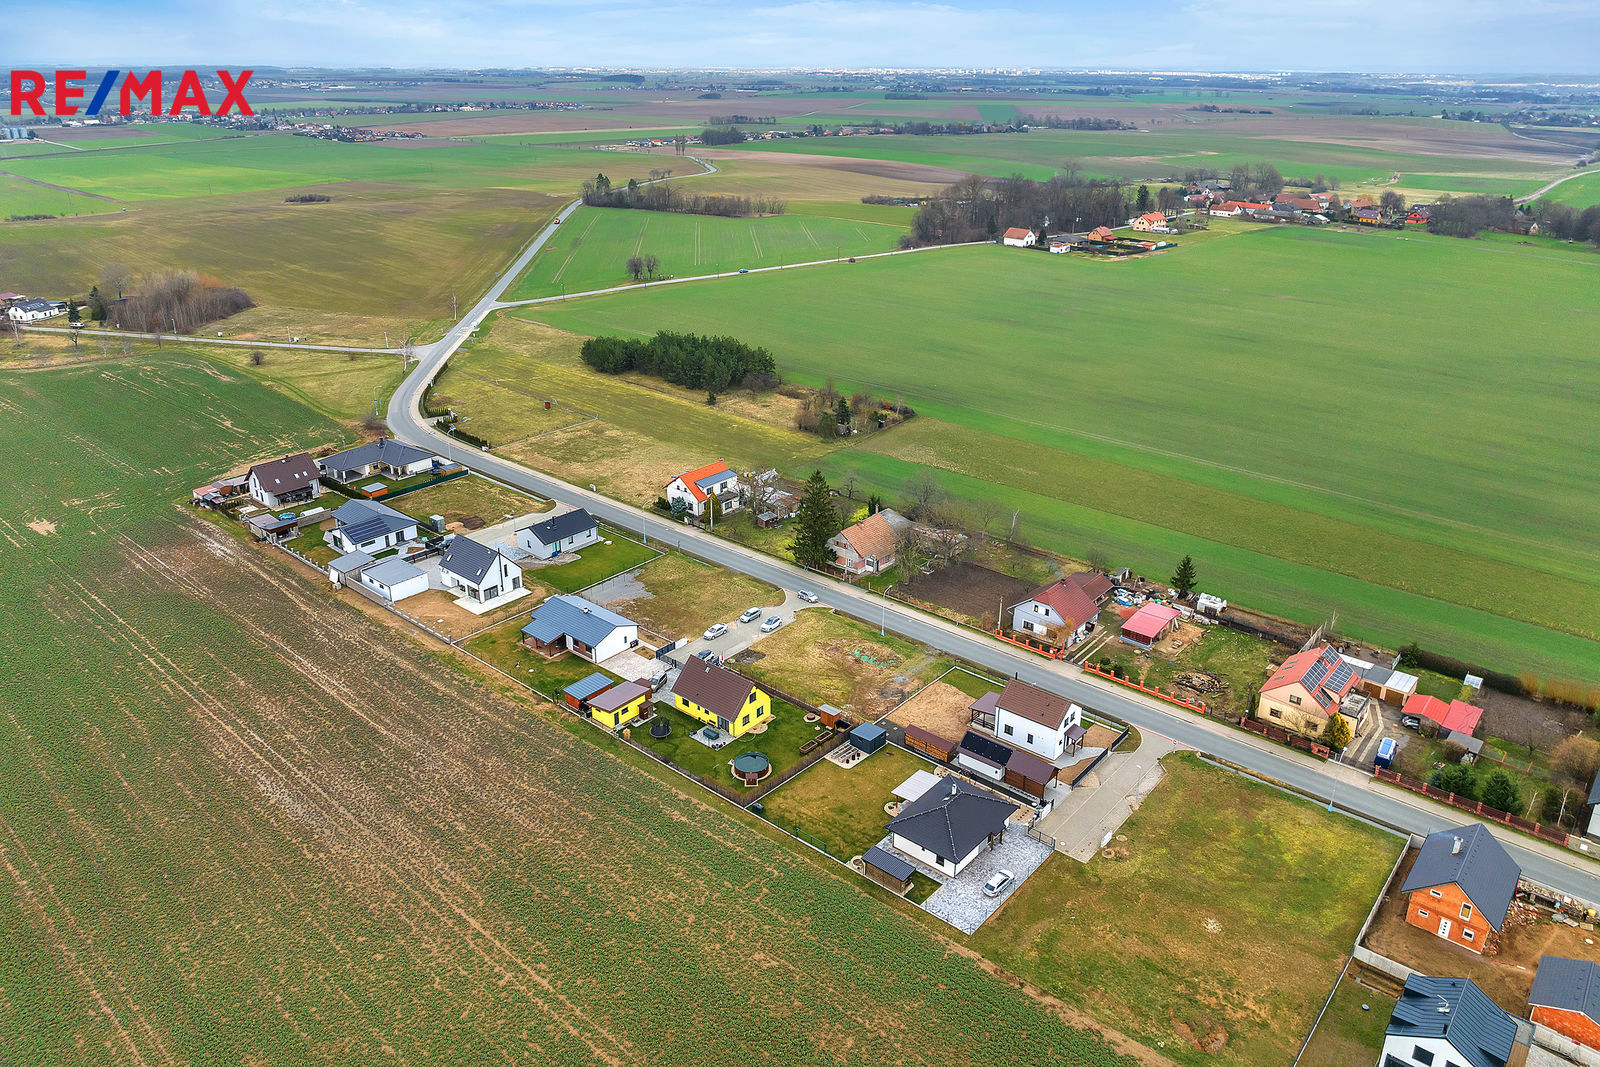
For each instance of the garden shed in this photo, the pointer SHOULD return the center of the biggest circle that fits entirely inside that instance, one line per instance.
(887, 869)
(869, 737)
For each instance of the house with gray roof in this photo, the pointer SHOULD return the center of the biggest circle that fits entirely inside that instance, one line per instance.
(347, 568)
(946, 827)
(368, 526)
(1566, 998)
(477, 571)
(1461, 886)
(1442, 1021)
(289, 480)
(566, 532)
(567, 623)
(383, 456)
(394, 579)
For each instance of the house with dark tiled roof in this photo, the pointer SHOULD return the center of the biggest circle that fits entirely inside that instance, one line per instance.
(1308, 688)
(1461, 886)
(950, 824)
(566, 532)
(696, 488)
(383, 456)
(1566, 998)
(1059, 614)
(868, 547)
(569, 623)
(721, 698)
(369, 526)
(1439, 1022)
(479, 572)
(290, 480)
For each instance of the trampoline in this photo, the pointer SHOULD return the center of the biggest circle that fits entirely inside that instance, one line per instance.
(660, 727)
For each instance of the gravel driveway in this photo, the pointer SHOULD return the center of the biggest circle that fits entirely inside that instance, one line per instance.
(960, 901)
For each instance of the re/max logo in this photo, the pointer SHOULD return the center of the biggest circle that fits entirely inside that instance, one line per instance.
(28, 88)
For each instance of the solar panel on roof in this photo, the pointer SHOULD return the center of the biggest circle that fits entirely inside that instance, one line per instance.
(1341, 674)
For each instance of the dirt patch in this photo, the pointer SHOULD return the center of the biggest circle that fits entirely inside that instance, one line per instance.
(877, 168)
(939, 707)
(437, 609)
(1098, 736)
(972, 592)
(42, 526)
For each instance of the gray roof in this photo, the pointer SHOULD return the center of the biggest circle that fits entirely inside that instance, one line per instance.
(888, 863)
(573, 615)
(1480, 865)
(1457, 1011)
(952, 819)
(384, 450)
(587, 687)
(1567, 984)
(364, 520)
(287, 474)
(1472, 744)
(468, 559)
(563, 526)
(391, 572)
(1594, 789)
(352, 562)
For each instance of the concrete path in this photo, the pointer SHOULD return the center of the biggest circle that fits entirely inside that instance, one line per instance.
(1081, 821)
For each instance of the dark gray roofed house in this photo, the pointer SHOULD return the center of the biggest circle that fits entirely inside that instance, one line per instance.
(385, 454)
(370, 526)
(285, 481)
(560, 533)
(948, 826)
(1471, 858)
(1566, 998)
(1448, 1020)
(467, 559)
(482, 572)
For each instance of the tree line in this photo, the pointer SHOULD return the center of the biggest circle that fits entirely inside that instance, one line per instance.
(662, 196)
(977, 208)
(1567, 222)
(687, 359)
(175, 301)
(722, 135)
(1056, 122)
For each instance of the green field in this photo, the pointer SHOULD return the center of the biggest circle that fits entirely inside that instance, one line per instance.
(242, 822)
(1579, 192)
(594, 245)
(1389, 446)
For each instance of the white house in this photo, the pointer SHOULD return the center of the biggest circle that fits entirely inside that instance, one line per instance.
(567, 623)
(946, 827)
(1057, 614)
(1032, 719)
(1017, 237)
(34, 310)
(868, 547)
(478, 572)
(696, 487)
(1440, 1021)
(394, 579)
(566, 532)
(383, 456)
(290, 480)
(1151, 222)
(368, 526)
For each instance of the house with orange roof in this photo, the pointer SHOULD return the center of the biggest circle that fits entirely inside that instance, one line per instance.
(1456, 717)
(1311, 687)
(1151, 222)
(868, 547)
(1059, 614)
(1017, 237)
(697, 488)
(1101, 233)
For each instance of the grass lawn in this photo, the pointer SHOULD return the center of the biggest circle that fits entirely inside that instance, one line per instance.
(1420, 756)
(595, 563)
(1184, 940)
(472, 496)
(592, 249)
(1347, 1034)
(1236, 658)
(781, 743)
(311, 544)
(839, 809)
(1463, 560)
(832, 659)
(974, 685)
(686, 596)
(499, 647)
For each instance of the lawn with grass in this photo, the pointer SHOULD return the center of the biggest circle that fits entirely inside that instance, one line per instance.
(780, 743)
(596, 563)
(471, 497)
(974, 685)
(684, 596)
(594, 245)
(841, 809)
(312, 544)
(1184, 938)
(1350, 1033)
(825, 658)
(1460, 559)
(500, 647)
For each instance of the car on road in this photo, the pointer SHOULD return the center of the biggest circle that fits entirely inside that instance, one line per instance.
(1411, 722)
(772, 623)
(716, 631)
(744, 270)
(807, 595)
(709, 656)
(751, 615)
(998, 883)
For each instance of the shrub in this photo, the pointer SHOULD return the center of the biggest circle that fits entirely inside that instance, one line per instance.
(1455, 778)
(1577, 757)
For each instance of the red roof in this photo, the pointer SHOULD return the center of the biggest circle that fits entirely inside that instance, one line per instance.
(1102, 233)
(1068, 600)
(1016, 233)
(1457, 715)
(1094, 584)
(1150, 620)
(689, 479)
(1323, 673)
(1153, 216)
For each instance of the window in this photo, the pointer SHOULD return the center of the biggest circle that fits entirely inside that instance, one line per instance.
(1470, 935)
(751, 699)
(1422, 913)
(744, 720)
(1276, 713)
(1027, 626)
(1008, 730)
(1294, 699)
(1466, 911)
(1436, 894)
(1030, 739)
(1421, 1055)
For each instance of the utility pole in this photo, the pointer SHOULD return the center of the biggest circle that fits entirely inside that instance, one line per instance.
(453, 312)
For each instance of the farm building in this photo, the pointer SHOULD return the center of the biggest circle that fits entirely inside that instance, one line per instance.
(394, 579)
(1017, 237)
(1566, 998)
(1461, 886)
(948, 826)
(383, 456)
(566, 532)
(930, 744)
(1458, 715)
(567, 623)
(1059, 614)
(1150, 624)
(865, 548)
(368, 526)
(721, 698)
(618, 705)
(482, 573)
(1029, 717)
(1443, 1021)
(714, 481)
(289, 480)
(887, 869)
(1308, 688)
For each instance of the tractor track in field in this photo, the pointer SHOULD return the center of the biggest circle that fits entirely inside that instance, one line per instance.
(60, 188)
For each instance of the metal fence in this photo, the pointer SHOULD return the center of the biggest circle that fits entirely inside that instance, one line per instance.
(1476, 807)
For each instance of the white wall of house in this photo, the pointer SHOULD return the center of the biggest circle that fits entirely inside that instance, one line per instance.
(619, 640)
(1404, 1049)
(994, 774)
(917, 852)
(417, 583)
(728, 494)
(267, 498)
(1594, 821)
(528, 542)
(1032, 617)
(1014, 730)
(338, 539)
(1022, 242)
(502, 578)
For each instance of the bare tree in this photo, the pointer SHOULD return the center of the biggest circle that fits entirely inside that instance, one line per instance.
(636, 267)
(923, 494)
(848, 481)
(257, 357)
(652, 265)
(1096, 557)
(118, 276)
(985, 510)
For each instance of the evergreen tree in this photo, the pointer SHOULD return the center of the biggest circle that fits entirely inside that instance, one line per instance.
(874, 504)
(1500, 791)
(816, 524)
(1455, 778)
(841, 415)
(1141, 202)
(1337, 735)
(1184, 580)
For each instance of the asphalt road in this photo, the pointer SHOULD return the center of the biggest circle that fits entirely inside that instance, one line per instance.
(1349, 788)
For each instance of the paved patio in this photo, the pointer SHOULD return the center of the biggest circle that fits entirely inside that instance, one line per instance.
(959, 901)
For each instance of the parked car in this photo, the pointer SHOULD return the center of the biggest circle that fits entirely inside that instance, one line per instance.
(807, 595)
(998, 883)
(744, 270)
(1411, 722)
(716, 631)
(709, 656)
(751, 615)
(772, 623)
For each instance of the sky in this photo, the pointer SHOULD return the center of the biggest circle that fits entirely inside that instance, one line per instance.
(1406, 36)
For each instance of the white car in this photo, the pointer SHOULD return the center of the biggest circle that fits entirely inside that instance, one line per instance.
(772, 623)
(716, 631)
(751, 615)
(998, 884)
(807, 595)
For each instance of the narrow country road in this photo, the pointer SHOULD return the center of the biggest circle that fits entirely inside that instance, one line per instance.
(1349, 788)
(1537, 193)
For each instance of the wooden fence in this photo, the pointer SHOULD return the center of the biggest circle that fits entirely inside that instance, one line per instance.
(1170, 698)
(1476, 807)
(1285, 737)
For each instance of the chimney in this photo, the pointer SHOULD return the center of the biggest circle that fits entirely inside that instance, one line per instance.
(1455, 846)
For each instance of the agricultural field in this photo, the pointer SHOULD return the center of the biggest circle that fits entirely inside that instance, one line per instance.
(594, 246)
(1178, 936)
(219, 779)
(1195, 443)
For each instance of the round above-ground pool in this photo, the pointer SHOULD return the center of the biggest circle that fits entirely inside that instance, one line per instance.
(751, 767)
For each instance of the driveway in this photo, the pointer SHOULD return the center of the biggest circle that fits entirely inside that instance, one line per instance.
(959, 901)
(1104, 800)
(741, 635)
(1364, 748)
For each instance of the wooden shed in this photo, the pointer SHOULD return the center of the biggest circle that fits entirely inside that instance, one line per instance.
(929, 744)
(887, 869)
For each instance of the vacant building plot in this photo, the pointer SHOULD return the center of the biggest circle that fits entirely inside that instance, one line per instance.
(944, 705)
(219, 780)
(1228, 959)
(470, 503)
(677, 596)
(1189, 447)
(594, 245)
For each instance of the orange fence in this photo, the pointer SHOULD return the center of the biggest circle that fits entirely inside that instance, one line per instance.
(1043, 650)
(1284, 737)
(1170, 698)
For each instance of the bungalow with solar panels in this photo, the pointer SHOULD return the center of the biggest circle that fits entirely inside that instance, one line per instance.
(1310, 687)
(566, 532)
(383, 456)
(368, 526)
(1439, 1022)
(480, 573)
(290, 480)
(714, 481)
(567, 623)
